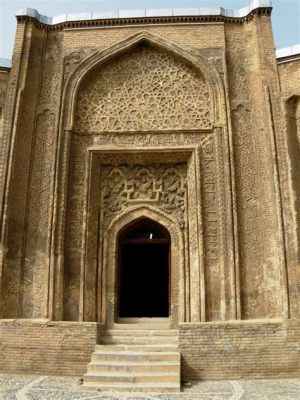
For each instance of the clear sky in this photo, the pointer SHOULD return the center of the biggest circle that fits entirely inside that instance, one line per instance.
(285, 16)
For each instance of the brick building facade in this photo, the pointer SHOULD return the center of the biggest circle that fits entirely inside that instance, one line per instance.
(182, 123)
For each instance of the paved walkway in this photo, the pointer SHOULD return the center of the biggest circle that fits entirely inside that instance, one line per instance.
(29, 387)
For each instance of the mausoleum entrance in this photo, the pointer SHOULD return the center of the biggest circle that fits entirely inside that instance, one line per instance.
(147, 142)
(143, 284)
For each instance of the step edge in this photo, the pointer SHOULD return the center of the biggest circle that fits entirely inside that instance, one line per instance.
(121, 384)
(124, 352)
(135, 363)
(130, 374)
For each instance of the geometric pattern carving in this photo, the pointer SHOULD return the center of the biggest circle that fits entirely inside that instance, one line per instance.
(145, 90)
(161, 185)
(210, 201)
(40, 188)
(238, 88)
(120, 191)
(39, 215)
(257, 260)
(259, 265)
(50, 86)
(41, 172)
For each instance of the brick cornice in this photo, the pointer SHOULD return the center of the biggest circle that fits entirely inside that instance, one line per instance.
(142, 21)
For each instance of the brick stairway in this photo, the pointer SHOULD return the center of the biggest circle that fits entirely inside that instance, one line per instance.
(135, 358)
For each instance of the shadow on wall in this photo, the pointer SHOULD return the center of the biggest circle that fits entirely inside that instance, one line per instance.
(293, 118)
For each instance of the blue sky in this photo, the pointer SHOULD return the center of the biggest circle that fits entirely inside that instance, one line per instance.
(285, 16)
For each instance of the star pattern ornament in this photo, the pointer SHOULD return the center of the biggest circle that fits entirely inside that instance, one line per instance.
(146, 89)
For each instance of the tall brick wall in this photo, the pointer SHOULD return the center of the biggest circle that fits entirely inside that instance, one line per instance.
(240, 350)
(187, 36)
(45, 347)
(289, 75)
(232, 350)
(15, 294)
(4, 77)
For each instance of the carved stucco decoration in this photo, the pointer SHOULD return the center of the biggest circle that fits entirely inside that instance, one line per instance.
(257, 257)
(40, 188)
(163, 130)
(146, 89)
(50, 87)
(11, 92)
(3, 90)
(51, 82)
(149, 139)
(210, 199)
(163, 186)
(38, 219)
(72, 60)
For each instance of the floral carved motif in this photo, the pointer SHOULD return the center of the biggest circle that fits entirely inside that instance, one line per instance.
(145, 90)
(127, 185)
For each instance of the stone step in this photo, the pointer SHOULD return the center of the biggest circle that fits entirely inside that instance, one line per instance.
(132, 387)
(138, 360)
(135, 356)
(135, 377)
(108, 339)
(137, 347)
(160, 366)
(142, 332)
(142, 326)
(144, 320)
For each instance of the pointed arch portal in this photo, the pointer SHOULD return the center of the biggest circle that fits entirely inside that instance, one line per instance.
(155, 273)
(139, 137)
(143, 281)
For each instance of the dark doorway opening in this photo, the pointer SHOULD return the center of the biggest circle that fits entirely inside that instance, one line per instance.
(144, 251)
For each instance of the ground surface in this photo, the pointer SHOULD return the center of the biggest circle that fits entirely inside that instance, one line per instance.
(29, 387)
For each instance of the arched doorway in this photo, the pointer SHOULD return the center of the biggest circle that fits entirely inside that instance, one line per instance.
(143, 284)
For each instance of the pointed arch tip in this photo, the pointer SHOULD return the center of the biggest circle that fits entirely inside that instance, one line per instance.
(148, 212)
(154, 40)
(293, 97)
(146, 223)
